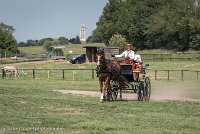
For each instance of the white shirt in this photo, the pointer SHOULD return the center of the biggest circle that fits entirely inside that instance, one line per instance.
(126, 54)
(138, 58)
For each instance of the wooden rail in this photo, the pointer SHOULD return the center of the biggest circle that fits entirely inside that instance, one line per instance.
(181, 72)
(171, 57)
(63, 72)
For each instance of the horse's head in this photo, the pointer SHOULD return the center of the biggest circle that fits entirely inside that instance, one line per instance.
(100, 57)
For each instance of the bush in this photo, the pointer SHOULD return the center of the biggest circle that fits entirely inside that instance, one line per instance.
(117, 40)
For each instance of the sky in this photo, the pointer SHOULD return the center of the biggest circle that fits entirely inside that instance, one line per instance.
(37, 19)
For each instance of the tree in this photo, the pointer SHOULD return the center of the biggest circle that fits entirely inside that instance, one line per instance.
(151, 24)
(72, 40)
(118, 40)
(42, 41)
(57, 52)
(63, 40)
(77, 40)
(8, 43)
(48, 46)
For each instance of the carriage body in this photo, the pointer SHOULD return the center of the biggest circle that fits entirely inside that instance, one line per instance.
(127, 72)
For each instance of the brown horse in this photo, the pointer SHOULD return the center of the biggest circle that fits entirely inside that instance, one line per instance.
(108, 70)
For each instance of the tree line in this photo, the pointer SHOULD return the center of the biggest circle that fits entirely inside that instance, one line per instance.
(151, 24)
(9, 45)
(42, 42)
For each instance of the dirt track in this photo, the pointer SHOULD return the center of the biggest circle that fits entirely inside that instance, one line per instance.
(130, 96)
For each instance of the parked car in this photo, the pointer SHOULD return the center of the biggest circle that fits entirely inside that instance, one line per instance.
(78, 59)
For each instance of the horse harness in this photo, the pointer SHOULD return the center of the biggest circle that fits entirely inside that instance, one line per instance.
(105, 69)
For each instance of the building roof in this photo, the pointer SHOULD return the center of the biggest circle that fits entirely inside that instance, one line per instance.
(83, 26)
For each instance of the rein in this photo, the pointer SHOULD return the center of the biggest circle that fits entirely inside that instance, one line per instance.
(102, 68)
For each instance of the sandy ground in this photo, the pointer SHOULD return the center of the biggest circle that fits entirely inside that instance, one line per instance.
(160, 96)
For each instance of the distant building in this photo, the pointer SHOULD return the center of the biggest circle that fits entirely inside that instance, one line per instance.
(83, 34)
(91, 52)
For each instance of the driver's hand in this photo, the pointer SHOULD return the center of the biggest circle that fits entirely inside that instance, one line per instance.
(112, 55)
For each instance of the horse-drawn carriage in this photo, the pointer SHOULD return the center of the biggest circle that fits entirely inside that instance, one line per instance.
(117, 76)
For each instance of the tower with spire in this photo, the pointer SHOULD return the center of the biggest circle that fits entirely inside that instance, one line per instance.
(83, 34)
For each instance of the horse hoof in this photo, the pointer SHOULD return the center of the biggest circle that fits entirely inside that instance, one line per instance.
(101, 100)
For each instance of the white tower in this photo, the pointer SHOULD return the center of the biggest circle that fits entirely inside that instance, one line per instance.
(83, 34)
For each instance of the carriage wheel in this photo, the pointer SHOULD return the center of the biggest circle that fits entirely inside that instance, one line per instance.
(114, 90)
(108, 95)
(140, 92)
(147, 88)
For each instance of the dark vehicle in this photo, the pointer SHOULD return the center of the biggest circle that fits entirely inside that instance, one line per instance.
(78, 59)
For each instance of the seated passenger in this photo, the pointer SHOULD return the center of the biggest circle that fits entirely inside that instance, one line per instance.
(137, 67)
(137, 58)
(129, 54)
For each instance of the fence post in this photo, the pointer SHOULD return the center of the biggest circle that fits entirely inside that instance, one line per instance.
(48, 74)
(33, 73)
(92, 73)
(182, 75)
(170, 57)
(197, 75)
(155, 74)
(3, 73)
(168, 74)
(63, 74)
(161, 57)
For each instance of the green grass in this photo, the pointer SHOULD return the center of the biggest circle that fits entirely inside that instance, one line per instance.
(87, 74)
(31, 103)
(28, 103)
(76, 48)
(32, 50)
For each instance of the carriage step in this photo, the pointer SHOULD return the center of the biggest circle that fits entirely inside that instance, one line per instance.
(136, 71)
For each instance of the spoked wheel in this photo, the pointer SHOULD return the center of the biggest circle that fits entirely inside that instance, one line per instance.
(108, 96)
(114, 90)
(147, 89)
(140, 91)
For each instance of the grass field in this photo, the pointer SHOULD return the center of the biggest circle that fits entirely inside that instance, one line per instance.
(27, 104)
(76, 48)
(32, 104)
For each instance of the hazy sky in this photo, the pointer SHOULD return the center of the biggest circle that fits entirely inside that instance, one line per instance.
(36, 19)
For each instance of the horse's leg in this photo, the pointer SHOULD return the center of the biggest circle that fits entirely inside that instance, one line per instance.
(11, 73)
(107, 83)
(4, 73)
(101, 89)
(101, 85)
(15, 74)
(120, 91)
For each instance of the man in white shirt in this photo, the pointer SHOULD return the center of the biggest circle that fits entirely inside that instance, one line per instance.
(128, 54)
